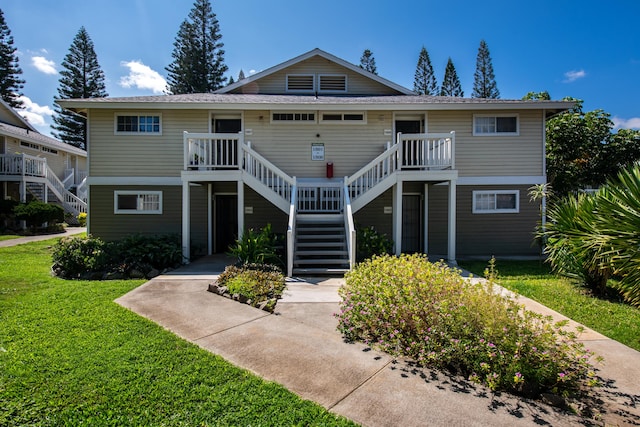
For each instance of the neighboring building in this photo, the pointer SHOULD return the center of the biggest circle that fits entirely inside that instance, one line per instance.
(313, 146)
(35, 166)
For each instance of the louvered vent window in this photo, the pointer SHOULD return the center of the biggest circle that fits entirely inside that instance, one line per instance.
(333, 83)
(300, 83)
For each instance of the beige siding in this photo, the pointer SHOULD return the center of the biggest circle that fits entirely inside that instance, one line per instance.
(482, 235)
(348, 146)
(57, 162)
(109, 226)
(142, 155)
(356, 83)
(493, 155)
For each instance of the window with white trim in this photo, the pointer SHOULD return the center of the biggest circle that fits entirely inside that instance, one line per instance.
(343, 117)
(496, 201)
(133, 123)
(30, 145)
(504, 124)
(137, 202)
(291, 117)
(300, 83)
(332, 83)
(49, 150)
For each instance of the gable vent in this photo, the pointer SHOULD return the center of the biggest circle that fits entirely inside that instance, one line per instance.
(333, 83)
(300, 82)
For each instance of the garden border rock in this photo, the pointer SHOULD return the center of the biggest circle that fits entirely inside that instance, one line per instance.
(267, 305)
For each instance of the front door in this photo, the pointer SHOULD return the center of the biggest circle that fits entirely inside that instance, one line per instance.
(226, 221)
(411, 223)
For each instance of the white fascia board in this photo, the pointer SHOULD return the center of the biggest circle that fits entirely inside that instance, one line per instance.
(134, 180)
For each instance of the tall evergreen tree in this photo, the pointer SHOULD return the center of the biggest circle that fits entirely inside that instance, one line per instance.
(368, 62)
(198, 58)
(81, 77)
(10, 81)
(424, 81)
(484, 81)
(451, 83)
(241, 75)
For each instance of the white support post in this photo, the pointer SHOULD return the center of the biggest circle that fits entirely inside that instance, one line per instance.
(240, 209)
(397, 216)
(186, 222)
(209, 219)
(425, 228)
(451, 247)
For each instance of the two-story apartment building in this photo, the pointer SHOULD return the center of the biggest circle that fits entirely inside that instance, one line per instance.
(36, 166)
(316, 147)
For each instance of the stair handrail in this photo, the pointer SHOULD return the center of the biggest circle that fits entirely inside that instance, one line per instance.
(69, 178)
(81, 190)
(254, 164)
(349, 227)
(373, 172)
(291, 231)
(70, 201)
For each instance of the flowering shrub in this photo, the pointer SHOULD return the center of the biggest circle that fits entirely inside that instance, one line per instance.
(407, 306)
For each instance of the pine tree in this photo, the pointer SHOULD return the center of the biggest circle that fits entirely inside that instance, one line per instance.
(241, 75)
(451, 83)
(484, 81)
(10, 82)
(424, 82)
(368, 62)
(81, 77)
(198, 58)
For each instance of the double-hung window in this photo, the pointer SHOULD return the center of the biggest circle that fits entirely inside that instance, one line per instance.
(137, 202)
(503, 124)
(496, 201)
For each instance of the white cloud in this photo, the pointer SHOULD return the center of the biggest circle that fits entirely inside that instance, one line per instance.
(35, 114)
(44, 65)
(142, 77)
(573, 75)
(620, 123)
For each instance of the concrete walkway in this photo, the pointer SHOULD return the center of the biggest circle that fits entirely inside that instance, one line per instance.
(69, 231)
(300, 348)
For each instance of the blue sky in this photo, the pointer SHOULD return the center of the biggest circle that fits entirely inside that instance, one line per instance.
(585, 49)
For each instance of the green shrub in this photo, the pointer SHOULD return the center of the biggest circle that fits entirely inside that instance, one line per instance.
(156, 251)
(570, 247)
(370, 242)
(410, 307)
(257, 247)
(73, 256)
(36, 213)
(7, 216)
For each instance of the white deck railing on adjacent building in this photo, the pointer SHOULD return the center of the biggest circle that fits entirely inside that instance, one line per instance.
(22, 164)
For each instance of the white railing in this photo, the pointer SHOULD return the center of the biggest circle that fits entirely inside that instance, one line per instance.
(373, 173)
(69, 200)
(80, 176)
(69, 178)
(291, 233)
(349, 228)
(211, 150)
(426, 150)
(267, 173)
(325, 197)
(82, 191)
(22, 164)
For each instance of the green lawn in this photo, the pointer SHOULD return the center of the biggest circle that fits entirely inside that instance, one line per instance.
(8, 237)
(534, 280)
(69, 355)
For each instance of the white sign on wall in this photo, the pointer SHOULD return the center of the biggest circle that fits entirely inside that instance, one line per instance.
(317, 152)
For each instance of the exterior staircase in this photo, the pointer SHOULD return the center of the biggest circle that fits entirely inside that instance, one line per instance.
(320, 245)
